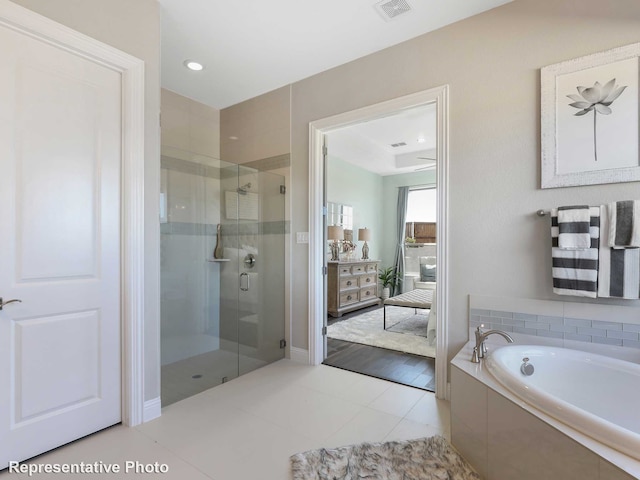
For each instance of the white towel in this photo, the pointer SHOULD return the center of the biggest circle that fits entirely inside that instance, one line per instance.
(624, 224)
(573, 227)
(575, 272)
(618, 268)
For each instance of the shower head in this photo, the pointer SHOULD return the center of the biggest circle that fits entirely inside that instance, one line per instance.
(243, 189)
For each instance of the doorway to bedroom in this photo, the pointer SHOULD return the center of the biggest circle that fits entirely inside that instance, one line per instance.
(318, 229)
(381, 198)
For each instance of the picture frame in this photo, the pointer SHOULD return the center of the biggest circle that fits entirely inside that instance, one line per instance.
(590, 119)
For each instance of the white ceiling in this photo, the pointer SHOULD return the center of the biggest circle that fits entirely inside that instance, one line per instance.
(250, 47)
(368, 145)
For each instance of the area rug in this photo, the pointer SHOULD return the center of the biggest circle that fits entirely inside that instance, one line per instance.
(367, 328)
(421, 459)
(415, 324)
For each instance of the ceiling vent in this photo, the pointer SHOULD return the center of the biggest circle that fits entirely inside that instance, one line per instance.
(390, 9)
(400, 144)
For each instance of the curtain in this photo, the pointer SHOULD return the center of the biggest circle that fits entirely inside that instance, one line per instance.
(403, 199)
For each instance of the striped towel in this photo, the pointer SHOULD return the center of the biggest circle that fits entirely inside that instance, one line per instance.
(624, 224)
(574, 227)
(575, 272)
(619, 269)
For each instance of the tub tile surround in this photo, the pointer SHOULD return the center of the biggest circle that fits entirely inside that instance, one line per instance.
(612, 330)
(500, 434)
(505, 438)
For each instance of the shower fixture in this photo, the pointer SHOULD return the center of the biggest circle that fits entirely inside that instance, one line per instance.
(243, 189)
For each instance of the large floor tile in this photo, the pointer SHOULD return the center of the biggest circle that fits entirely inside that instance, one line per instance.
(398, 400)
(364, 390)
(326, 379)
(249, 427)
(303, 410)
(431, 411)
(368, 425)
(407, 430)
(118, 445)
(271, 461)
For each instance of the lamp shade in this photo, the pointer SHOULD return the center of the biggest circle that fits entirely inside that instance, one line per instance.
(335, 232)
(364, 234)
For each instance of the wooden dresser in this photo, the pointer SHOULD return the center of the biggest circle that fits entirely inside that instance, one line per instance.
(351, 285)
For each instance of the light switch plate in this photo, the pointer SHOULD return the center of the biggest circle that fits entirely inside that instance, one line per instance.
(302, 237)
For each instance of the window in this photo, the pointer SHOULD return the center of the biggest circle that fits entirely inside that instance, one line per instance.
(421, 216)
(422, 205)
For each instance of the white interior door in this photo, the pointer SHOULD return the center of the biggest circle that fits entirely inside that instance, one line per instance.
(60, 151)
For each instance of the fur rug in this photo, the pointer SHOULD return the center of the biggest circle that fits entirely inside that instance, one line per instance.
(367, 329)
(421, 459)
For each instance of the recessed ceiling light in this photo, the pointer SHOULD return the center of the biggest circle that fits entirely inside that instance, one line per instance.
(421, 139)
(233, 138)
(193, 65)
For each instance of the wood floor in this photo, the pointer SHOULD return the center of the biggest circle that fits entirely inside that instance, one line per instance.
(407, 369)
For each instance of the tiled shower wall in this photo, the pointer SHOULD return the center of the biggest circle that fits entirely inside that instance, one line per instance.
(189, 285)
(256, 133)
(191, 188)
(197, 295)
(593, 323)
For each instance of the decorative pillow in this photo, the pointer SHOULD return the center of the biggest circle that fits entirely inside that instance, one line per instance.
(427, 273)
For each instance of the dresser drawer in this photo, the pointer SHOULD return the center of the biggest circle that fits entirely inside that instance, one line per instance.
(368, 292)
(347, 298)
(348, 282)
(371, 268)
(357, 269)
(344, 270)
(367, 280)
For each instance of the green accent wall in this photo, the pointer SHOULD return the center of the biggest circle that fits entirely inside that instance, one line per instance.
(355, 186)
(374, 200)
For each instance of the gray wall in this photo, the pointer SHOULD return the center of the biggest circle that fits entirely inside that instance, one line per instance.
(133, 27)
(492, 64)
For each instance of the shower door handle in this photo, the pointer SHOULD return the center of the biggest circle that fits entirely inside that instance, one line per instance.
(246, 277)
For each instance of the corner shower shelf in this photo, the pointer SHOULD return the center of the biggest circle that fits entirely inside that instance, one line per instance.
(218, 259)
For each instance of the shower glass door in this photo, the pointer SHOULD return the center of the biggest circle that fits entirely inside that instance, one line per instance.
(261, 232)
(222, 272)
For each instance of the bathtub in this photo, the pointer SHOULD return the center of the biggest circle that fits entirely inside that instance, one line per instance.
(597, 395)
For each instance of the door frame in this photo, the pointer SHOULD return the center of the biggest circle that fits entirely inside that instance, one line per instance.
(316, 295)
(131, 69)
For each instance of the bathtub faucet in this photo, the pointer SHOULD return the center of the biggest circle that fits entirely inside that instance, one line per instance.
(480, 349)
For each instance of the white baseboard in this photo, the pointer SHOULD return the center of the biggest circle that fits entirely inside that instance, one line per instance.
(299, 355)
(152, 409)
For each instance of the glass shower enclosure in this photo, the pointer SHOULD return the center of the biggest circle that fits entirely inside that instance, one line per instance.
(222, 272)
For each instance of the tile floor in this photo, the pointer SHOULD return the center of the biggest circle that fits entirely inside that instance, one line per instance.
(247, 428)
(178, 381)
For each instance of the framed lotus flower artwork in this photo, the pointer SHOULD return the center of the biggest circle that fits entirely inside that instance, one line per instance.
(590, 119)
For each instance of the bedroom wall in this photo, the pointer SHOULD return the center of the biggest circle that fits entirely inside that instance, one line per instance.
(355, 186)
(491, 63)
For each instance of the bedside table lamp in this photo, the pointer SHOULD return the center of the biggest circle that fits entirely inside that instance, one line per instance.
(364, 234)
(335, 233)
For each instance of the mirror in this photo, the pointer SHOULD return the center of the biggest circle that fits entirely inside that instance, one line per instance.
(340, 214)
